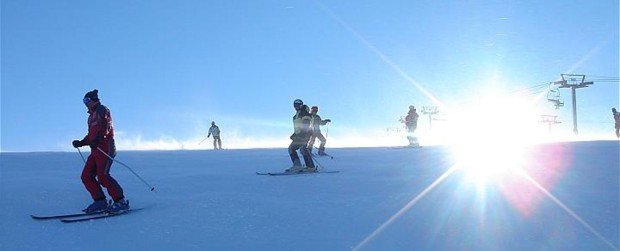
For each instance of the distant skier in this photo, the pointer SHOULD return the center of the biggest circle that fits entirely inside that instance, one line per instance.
(617, 120)
(316, 123)
(216, 136)
(411, 122)
(96, 171)
(301, 135)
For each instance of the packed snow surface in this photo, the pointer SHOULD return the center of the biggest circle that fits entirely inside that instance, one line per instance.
(560, 196)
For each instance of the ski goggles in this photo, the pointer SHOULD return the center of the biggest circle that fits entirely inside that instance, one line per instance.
(86, 100)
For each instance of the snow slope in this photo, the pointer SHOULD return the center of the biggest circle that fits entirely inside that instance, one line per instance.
(213, 200)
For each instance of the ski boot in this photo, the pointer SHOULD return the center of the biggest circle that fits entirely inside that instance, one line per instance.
(297, 167)
(294, 169)
(99, 206)
(119, 206)
(309, 169)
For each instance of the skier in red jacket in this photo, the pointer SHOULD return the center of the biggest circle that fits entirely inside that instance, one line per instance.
(96, 171)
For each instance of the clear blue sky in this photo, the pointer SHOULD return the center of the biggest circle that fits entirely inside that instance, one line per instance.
(166, 69)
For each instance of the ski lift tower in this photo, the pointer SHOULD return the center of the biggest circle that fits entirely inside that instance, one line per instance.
(550, 120)
(574, 81)
(430, 110)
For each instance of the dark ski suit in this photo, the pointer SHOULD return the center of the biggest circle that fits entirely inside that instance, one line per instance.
(300, 137)
(411, 121)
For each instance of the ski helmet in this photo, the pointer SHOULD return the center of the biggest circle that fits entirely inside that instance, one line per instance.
(297, 104)
(411, 107)
(314, 108)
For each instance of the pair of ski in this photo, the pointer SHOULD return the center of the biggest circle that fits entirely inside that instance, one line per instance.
(295, 173)
(409, 146)
(78, 217)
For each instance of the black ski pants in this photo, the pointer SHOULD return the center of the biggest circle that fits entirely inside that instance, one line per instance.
(300, 143)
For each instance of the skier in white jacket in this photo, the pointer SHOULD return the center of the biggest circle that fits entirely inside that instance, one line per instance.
(217, 142)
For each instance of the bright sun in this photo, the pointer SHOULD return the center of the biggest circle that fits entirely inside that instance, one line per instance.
(490, 136)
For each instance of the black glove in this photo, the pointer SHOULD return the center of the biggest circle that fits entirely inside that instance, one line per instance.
(328, 120)
(77, 143)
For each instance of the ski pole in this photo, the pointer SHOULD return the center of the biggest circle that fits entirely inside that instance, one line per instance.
(151, 187)
(81, 154)
(331, 157)
(203, 140)
(327, 132)
(317, 162)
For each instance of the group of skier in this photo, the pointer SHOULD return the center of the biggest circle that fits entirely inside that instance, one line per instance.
(100, 138)
(306, 129)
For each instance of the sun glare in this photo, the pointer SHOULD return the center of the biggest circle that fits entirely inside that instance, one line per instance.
(488, 163)
(490, 137)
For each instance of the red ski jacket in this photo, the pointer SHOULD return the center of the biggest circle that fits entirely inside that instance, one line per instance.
(100, 129)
